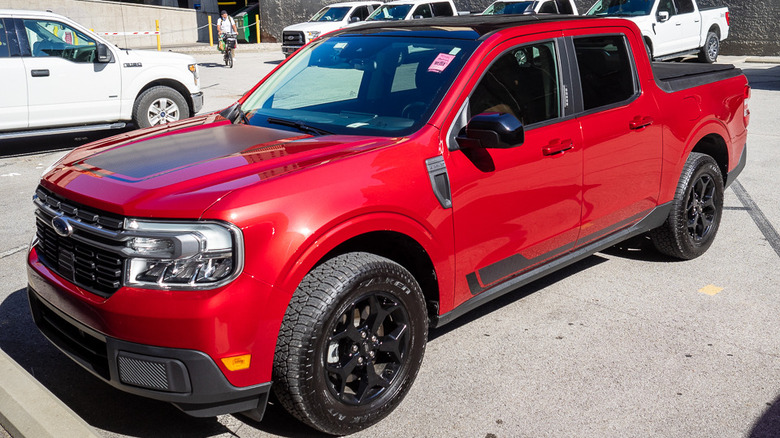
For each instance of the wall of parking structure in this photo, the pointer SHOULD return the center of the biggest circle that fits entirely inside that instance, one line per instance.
(177, 26)
(755, 25)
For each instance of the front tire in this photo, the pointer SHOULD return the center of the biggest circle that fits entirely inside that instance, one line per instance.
(159, 105)
(697, 208)
(709, 52)
(351, 343)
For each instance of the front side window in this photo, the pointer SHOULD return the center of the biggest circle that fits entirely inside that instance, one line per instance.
(523, 82)
(4, 48)
(499, 8)
(361, 12)
(52, 38)
(366, 85)
(548, 8)
(667, 6)
(606, 70)
(622, 7)
(423, 11)
(390, 12)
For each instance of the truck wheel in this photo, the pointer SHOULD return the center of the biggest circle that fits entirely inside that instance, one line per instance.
(159, 105)
(709, 52)
(696, 210)
(351, 343)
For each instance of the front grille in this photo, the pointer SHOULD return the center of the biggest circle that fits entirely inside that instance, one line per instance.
(91, 257)
(292, 38)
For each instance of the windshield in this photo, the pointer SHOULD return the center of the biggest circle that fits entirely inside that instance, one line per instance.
(509, 8)
(621, 7)
(390, 12)
(331, 14)
(359, 85)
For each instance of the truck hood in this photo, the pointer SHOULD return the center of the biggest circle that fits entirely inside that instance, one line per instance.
(151, 57)
(179, 170)
(321, 26)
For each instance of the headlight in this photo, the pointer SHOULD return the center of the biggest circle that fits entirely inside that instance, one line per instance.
(193, 68)
(182, 255)
(311, 34)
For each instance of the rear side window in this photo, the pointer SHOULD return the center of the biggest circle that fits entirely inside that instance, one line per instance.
(4, 51)
(685, 6)
(442, 9)
(605, 69)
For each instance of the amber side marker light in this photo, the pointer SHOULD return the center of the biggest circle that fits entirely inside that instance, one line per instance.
(236, 363)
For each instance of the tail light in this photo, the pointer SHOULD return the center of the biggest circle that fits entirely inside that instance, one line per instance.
(745, 105)
(728, 19)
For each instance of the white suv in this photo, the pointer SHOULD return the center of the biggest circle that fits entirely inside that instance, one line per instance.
(327, 19)
(57, 76)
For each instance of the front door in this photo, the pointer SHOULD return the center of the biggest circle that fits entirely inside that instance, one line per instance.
(65, 83)
(516, 208)
(13, 85)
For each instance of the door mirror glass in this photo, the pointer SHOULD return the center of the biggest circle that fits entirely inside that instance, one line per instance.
(492, 131)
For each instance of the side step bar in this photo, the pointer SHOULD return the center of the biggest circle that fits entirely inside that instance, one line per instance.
(65, 130)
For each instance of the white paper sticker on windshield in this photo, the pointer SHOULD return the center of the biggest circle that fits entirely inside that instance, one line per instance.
(440, 63)
(340, 45)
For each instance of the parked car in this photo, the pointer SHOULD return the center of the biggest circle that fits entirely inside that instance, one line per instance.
(329, 18)
(672, 28)
(385, 179)
(58, 76)
(408, 10)
(532, 7)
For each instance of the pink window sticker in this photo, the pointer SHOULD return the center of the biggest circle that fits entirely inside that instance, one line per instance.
(440, 63)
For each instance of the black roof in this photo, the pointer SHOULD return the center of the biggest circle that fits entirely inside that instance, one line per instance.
(470, 27)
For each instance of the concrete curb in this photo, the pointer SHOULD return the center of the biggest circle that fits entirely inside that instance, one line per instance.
(29, 410)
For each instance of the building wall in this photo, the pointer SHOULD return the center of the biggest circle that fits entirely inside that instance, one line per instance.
(755, 25)
(177, 26)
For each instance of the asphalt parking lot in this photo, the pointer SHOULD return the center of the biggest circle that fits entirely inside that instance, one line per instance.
(624, 343)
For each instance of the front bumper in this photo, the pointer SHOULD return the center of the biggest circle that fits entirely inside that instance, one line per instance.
(189, 379)
(197, 102)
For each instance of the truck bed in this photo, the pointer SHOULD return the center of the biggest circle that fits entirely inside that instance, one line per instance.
(674, 76)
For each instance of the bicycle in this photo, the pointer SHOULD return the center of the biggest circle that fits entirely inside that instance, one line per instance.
(229, 43)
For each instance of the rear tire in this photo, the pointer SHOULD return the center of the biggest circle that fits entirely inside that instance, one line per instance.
(709, 52)
(351, 343)
(697, 208)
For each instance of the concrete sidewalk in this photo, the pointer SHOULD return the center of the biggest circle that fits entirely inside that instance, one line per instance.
(29, 410)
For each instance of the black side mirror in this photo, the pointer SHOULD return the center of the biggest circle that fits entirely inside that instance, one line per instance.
(492, 131)
(103, 54)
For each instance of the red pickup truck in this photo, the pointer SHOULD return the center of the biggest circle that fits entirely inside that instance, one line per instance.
(384, 180)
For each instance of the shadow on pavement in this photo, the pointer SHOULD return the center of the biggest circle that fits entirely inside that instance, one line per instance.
(763, 78)
(99, 404)
(51, 143)
(768, 426)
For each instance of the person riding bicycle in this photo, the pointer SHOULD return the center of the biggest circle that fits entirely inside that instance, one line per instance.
(226, 26)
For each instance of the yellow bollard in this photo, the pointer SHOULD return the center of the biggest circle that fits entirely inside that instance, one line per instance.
(157, 26)
(257, 23)
(211, 35)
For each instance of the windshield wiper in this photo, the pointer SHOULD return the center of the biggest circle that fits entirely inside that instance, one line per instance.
(235, 114)
(299, 126)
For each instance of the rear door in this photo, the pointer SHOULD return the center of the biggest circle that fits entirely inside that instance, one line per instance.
(65, 83)
(621, 134)
(13, 83)
(517, 208)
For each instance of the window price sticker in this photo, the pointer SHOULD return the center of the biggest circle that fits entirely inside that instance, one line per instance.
(440, 63)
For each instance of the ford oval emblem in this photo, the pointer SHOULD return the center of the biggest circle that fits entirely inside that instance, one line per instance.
(62, 226)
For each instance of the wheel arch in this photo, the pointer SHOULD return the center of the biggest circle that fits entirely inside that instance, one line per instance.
(715, 146)
(174, 84)
(716, 29)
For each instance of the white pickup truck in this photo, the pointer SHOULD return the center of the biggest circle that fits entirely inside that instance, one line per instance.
(57, 76)
(409, 10)
(327, 19)
(672, 28)
(566, 7)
